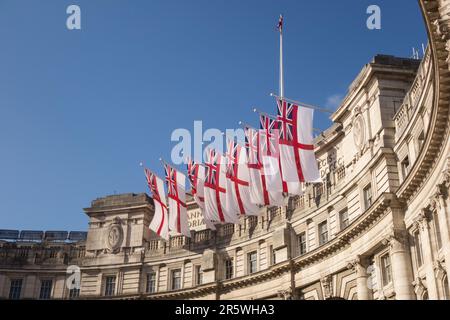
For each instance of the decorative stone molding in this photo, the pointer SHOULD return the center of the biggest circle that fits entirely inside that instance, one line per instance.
(419, 287)
(114, 236)
(439, 270)
(327, 285)
(285, 294)
(421, 220)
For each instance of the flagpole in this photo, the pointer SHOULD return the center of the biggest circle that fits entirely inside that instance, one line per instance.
(280, 28)
(305, 105)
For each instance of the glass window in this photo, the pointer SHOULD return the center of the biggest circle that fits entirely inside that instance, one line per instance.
(301, 239)
(437, 230)
(343, 219)
(420, 140)
(229, 268)
(46, 289)
(252, 262)
(198, 275)
(418, 247)
(323, 233)
(386, 270)
(367, 193)
(15, 289)
(405, 167)
(110, 286)
(151, 282)
(74, 293)
(176, 279)
(274, 255)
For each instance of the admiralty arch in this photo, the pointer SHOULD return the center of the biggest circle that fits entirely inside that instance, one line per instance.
(378, 227)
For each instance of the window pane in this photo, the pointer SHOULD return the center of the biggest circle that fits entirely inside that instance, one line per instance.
(110, 286)
(252, 257)
(46, 289)
(437, 230)
(176, 279)
(367, 193)
(343, 218)
(151, 282)
(386, 269)
(229, 268)
(198, 275)
(74, 293)
(302, 243)
(15, 289)
(323, 233)
(418, 245)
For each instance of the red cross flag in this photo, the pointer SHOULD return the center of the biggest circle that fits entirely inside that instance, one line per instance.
(270, 152)
(176, 182)
(297, 157)
(238, 181)
(216, 190)
(196, 175)
(259, 194)
(160, 221)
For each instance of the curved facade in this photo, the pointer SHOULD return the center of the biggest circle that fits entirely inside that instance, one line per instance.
(376, 228)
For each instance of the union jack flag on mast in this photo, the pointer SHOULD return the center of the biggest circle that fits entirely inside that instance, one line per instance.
(160, 221)
(196, 175)
(216, 190)
(178, 220)
(297, 157)
(238, 181)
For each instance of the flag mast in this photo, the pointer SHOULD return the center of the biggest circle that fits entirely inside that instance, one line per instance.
(280, 29)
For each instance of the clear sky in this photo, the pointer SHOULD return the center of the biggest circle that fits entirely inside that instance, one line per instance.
(80, 109)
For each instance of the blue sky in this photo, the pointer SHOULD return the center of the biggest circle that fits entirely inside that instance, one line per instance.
(80, 109)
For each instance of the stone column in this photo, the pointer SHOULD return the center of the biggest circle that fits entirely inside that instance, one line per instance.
(401, 264)
(424, 232)
(360, 265)
(438, 203)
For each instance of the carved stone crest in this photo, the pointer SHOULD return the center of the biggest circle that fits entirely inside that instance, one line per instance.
(114, 236)
(359, 133)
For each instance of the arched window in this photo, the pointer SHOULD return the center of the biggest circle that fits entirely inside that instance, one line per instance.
(425, 295)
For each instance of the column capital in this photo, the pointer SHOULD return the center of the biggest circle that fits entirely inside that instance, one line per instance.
(396, 239)
(359, 264)
(285, 294)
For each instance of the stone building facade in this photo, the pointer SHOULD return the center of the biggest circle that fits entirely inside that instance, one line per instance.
(378, 227)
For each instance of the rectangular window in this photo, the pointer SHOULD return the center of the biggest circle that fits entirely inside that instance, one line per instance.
(301, 239)
(198, 275)
(367, 193)
(323, 233)
(176, 279)
(46, 289)
(405, 167)
(252, 262)
(229, 268)
(74, 293)
(274, 255)
(386, 270)
(151, 282)
(110, 286)
(343, 219)
(15, 289)
(418, 247)
(420, 140)
(437, 231)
